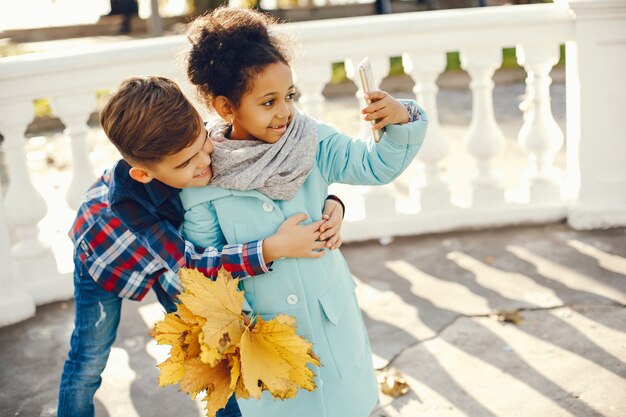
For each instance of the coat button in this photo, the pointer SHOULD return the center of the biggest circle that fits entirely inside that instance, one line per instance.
(267, 207)
(292, 299)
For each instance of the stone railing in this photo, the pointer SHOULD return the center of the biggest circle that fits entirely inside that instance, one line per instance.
(591, 193)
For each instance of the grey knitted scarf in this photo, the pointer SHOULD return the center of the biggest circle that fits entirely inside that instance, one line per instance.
(277, 170)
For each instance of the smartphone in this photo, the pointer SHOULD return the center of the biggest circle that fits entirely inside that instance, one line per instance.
(367, 84)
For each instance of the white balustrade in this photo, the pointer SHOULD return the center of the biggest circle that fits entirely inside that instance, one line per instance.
(36, 265)
(433, 193)
(540, 134)
(311, 80)
(595, 122)
(74, 110)
(484, 138)
(15, 303)
(594, 33)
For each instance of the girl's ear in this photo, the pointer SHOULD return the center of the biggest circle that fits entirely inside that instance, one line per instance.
(223, 107)
(140, 174)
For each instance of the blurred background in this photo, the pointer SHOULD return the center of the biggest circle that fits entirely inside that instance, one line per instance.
(39, 20)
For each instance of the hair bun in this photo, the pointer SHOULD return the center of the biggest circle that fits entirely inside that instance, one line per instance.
(229, 46)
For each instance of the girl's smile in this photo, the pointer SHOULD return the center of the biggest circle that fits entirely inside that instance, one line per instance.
(279, 128)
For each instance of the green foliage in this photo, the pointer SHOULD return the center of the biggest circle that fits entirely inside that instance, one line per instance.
(10, 49)
(395, 65)
(339, 73)
(562, 57)
(453, 61)
(42, 108)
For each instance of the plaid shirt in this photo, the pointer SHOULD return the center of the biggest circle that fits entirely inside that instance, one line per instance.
(127, 263)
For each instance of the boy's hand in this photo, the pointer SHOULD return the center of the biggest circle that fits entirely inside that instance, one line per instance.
(247, 321)
(331, 228)
(293, 240)
(385, 109)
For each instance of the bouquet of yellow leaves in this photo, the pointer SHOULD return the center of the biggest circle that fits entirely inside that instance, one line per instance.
(214, 351)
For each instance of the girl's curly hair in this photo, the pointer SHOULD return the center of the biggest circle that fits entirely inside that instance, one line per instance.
(229, 47)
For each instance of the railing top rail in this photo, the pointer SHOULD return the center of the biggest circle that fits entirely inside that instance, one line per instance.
(434, 31)
(423, 32)
(91, 56)
(454, 19)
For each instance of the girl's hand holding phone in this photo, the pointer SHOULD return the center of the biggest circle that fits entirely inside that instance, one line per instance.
(385, 109)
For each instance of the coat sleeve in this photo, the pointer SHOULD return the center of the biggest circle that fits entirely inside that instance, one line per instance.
(342, 159)
(202, 228)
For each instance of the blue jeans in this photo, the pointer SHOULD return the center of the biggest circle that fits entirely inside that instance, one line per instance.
(95, 329)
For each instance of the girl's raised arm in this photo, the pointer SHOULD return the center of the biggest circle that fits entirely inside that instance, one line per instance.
(342, 159)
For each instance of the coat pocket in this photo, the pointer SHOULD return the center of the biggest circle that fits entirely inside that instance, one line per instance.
(343, 326)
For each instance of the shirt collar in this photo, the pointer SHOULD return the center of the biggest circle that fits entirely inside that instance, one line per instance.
(125, 187)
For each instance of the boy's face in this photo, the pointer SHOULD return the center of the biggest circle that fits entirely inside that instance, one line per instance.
(191, 167)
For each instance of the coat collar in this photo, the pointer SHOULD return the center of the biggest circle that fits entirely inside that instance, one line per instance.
(198, 195)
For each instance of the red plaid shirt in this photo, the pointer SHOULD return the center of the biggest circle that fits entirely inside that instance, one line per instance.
(117, 259)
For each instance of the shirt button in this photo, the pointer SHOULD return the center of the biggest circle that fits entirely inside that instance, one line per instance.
(267, 207)
(292, 299)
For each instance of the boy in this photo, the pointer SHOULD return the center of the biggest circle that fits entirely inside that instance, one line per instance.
(126, 231)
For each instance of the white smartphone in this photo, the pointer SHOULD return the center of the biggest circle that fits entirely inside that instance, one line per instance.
(367, 84)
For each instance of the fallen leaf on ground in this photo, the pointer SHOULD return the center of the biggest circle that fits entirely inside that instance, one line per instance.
(392, 383)
(507, 316)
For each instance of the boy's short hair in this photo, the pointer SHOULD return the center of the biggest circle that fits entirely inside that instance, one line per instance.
(149, 118)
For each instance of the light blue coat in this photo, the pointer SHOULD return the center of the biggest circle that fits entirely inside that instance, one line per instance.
(319, 293)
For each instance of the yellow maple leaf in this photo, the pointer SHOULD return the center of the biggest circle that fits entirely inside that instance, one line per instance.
(170, 330)
(208, 354)
(234, 361)
(219, 302)
(187, 316)
(236, 380)
(178, 353)
(273, 353)
(171, 372)
(214, 351)
(200, 376)
(181, 332)
(192, 344)
(214, 379)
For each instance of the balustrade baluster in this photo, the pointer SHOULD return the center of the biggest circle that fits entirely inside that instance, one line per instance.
(36, 265)
(74, 110)
(540, 134)
(484, 139)
(311, 80)
(380, 201)
(15, 303)
(432, 192)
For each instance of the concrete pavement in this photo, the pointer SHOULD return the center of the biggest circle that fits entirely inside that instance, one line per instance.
(428, 304)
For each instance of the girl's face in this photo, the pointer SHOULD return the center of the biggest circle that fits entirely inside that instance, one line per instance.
(268, 107)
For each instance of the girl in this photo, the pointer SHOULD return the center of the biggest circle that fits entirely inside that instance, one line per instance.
(271, 161)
